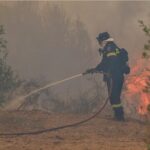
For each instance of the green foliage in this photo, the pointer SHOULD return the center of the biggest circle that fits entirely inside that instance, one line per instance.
(146, 51)
(146, 29)
(148, 147)
(7, 78)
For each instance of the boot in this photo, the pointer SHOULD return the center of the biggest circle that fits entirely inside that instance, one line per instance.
(119, 114)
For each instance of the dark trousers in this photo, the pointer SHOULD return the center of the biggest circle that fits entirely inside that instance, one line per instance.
(115, 84)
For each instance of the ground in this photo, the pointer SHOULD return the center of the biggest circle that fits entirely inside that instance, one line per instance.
(101, 133)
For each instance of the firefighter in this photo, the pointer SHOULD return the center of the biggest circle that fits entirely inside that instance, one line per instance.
(113, 66)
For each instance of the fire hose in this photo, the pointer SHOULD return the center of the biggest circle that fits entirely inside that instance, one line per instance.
(59, 127)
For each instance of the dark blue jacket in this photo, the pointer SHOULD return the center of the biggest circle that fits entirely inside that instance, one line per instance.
(112, 62)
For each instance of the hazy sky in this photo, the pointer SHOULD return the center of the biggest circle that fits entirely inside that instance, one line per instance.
(120, 19)
(26, 44)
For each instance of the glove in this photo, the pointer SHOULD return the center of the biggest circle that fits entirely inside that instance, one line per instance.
(126, 69)
(92, 70)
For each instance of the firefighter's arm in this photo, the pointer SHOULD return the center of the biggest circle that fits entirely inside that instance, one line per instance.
(98, 69)
(90, 71)
(102, 65)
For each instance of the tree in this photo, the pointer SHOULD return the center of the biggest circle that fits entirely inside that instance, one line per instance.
(146, 51)
(146, 55)
(146, 29)
(8, 80)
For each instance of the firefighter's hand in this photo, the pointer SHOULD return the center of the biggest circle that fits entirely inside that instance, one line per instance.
(92, 70)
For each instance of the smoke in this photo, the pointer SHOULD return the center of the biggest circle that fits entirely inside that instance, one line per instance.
(54, 40)
(120, 19)
(34, 50)
(43, 41)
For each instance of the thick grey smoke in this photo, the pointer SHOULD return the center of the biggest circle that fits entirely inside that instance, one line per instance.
(44, 42)
(54, 40)
(120, 19)
(32, 30)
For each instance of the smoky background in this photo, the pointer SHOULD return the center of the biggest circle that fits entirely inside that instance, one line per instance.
(49, 41)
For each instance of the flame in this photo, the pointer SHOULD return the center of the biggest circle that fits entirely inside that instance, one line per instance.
(136, 85)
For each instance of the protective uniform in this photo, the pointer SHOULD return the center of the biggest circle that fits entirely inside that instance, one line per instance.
(114, 66)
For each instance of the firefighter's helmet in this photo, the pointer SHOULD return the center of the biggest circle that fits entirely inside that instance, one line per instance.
(103, 36)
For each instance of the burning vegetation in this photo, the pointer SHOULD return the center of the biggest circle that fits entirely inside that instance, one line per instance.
(138, 91)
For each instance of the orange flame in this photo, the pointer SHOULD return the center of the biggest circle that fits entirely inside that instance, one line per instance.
(136, 85)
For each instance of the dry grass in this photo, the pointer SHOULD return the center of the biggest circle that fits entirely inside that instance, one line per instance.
(98, 134)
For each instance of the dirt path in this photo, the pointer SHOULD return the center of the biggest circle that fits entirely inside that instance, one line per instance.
(98, 134)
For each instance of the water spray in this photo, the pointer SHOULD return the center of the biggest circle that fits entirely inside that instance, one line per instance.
(52, 84)
(63, 126)
(22, 98)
